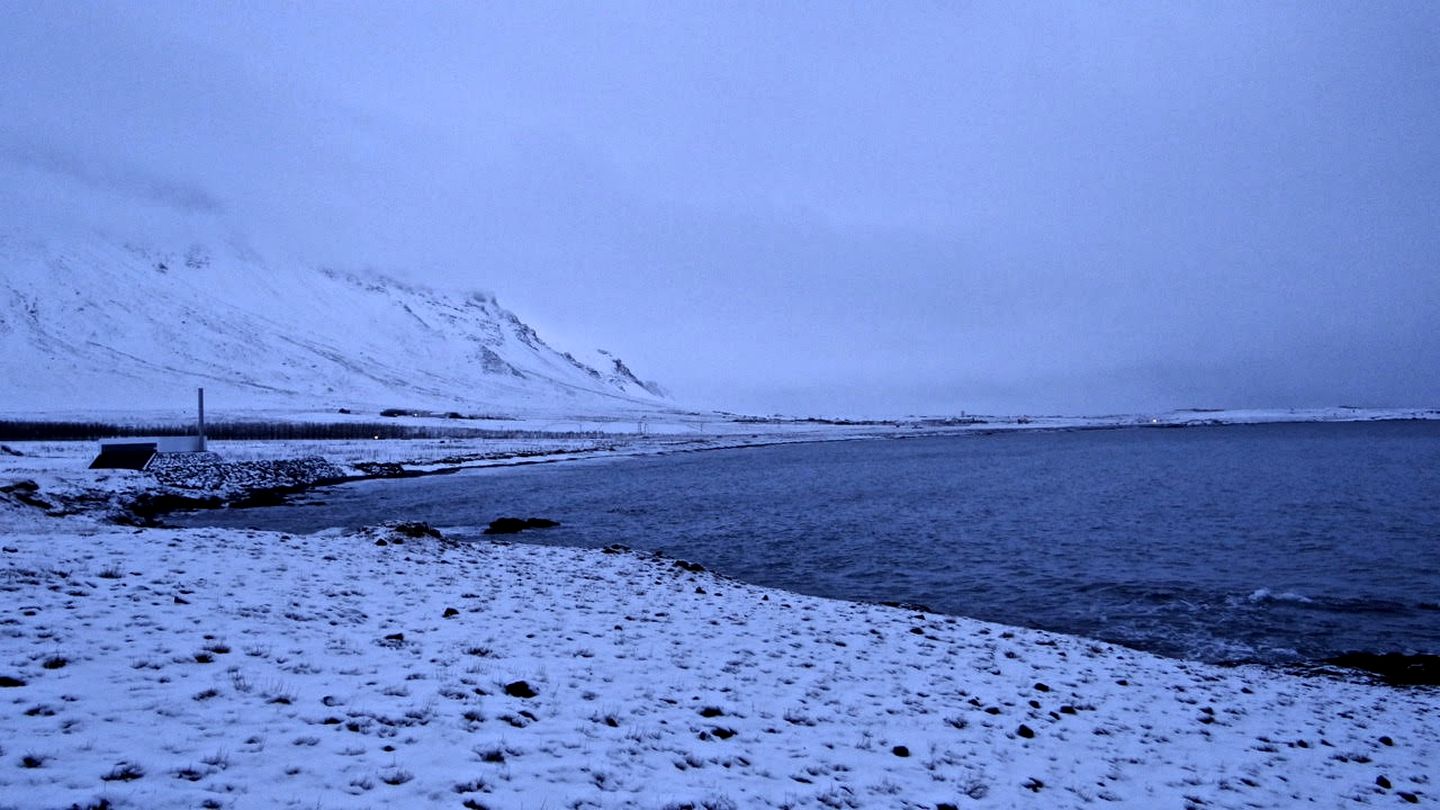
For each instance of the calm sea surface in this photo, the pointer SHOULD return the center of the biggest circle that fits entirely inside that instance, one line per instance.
(1274, 543)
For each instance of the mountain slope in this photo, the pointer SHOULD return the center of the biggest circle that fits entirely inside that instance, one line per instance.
(98, 325)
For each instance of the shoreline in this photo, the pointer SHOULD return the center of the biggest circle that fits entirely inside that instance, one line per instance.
(1386, 667)
(163, 667)
(422, 469)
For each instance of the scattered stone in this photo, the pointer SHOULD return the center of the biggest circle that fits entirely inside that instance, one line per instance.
(1382, 782)
(451, 612)
(1033, 785)
(395, 637)
(416, 530)
(694, 568)
(900, 751)
(520, 689)
(264, 479)
(10, 451)
(1408, 796)
(8, 682)
(1386, 741)
(24, 492)
(382, 542)
(1025, 731)
(712, 711)
(181, 601)
(1040, 687)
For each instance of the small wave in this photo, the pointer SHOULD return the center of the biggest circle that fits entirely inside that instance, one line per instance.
(1261, 595)
(1265, 596)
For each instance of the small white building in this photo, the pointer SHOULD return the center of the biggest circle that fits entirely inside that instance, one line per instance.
(137, 453)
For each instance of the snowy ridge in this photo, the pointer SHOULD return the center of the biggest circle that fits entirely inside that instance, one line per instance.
(96, 324)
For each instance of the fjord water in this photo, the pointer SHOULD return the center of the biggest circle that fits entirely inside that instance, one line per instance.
(1274, 543)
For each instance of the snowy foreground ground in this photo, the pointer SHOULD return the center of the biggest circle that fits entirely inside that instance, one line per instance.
(154, 668)
(193, 668)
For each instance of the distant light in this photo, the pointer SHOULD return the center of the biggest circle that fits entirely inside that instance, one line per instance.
(377, 435)
(1152, 421)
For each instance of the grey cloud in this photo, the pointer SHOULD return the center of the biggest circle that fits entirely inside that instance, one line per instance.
(828, 209)
(126, 181)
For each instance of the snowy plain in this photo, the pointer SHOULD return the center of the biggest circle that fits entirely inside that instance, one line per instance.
(165, 668)
(234, 668)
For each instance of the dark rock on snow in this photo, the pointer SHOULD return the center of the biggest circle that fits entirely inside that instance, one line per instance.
(416, 530)
(520, 689)
(24, 492)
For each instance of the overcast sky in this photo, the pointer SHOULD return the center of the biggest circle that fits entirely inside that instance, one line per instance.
(863, 208)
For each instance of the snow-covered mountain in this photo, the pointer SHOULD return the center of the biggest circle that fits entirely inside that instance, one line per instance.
(97, 325)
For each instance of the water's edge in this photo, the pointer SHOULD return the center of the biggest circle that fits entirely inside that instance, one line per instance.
(1395, 667)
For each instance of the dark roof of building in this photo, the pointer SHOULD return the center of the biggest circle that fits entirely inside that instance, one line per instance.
(126, 456)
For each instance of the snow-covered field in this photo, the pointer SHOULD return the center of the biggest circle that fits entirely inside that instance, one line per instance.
(154, 668)
(208, 668)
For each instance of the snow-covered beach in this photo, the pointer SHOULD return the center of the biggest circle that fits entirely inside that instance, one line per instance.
(714, 406)
(385, 667)
(162, 668)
